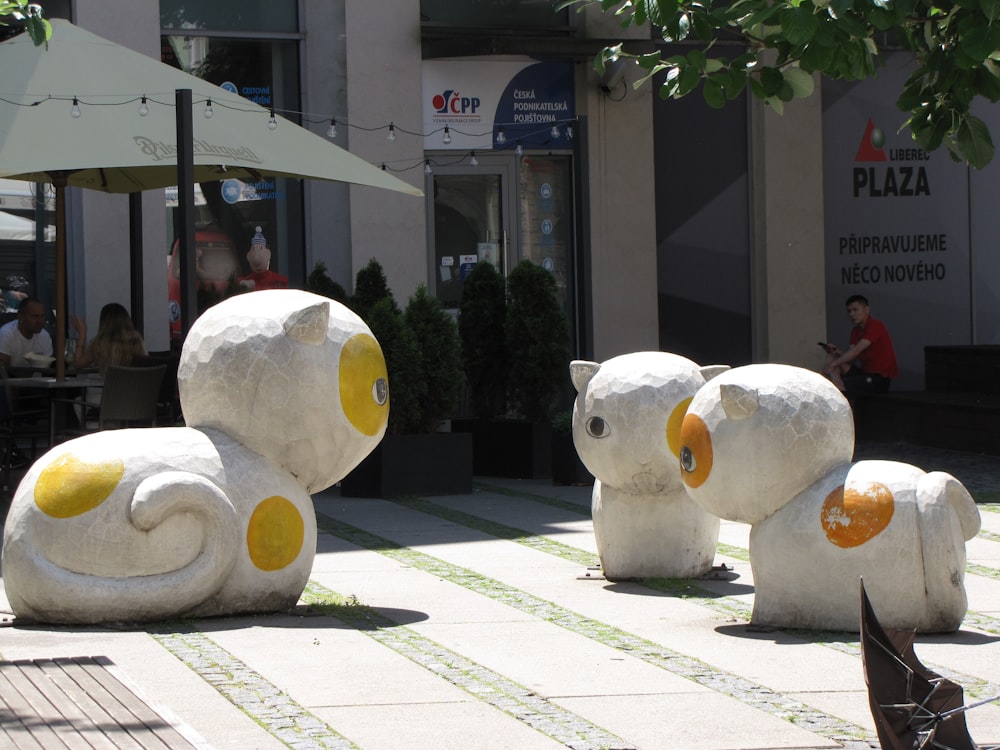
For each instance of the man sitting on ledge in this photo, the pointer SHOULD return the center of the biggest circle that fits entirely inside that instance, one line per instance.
(869, 365)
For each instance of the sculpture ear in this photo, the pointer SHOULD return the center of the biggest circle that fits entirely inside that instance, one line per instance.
(710, 371)
(581, 371)
(738, 401)
(310, 324)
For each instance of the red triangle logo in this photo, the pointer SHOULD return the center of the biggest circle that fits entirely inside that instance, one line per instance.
(867, 151)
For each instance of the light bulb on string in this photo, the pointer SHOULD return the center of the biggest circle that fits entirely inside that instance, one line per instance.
(331, 132)
(501, 138)
(569, 132)
(383, 167)
(427, 167)
(519, 150)
(555, 131)
(272, 122)
(209, 111)
(446, 138)
(75, 111)
(474, 160)
(392, 133)
(143, 107)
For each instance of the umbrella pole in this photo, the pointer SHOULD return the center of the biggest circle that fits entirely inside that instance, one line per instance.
(60, 344)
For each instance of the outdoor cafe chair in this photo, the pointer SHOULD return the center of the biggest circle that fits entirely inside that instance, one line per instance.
(128, 399)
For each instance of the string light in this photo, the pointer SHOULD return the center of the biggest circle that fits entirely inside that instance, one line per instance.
(533, 136)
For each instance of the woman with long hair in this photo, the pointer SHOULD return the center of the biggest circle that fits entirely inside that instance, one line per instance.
(117, 341)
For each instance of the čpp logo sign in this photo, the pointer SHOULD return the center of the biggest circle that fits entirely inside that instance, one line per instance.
(453, 103)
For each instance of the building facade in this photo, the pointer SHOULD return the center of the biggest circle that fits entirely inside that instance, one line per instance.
(667, 226)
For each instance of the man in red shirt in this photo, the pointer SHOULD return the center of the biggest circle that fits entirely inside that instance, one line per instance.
(869, 365)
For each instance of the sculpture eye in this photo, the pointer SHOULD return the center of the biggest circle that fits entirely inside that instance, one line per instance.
(687, 460)
(598, 428)
(380, 391)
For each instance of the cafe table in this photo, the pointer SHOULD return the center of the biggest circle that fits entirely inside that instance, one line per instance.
(52, 387)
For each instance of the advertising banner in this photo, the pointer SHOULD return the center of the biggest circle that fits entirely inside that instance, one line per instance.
(476, 100)
(896, 223)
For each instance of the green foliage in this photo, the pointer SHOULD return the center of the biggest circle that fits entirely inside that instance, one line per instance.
(537, 336)
(407, 388)
(30, 14)
(956, 50)
(370, 286)
(482, 311)
(319, 282)
(440, 354)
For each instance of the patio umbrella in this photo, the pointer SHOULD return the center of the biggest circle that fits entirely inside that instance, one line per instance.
(70, 115)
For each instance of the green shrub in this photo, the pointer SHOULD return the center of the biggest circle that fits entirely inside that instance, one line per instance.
(407, 388)
(537, 338)
(370, 286)
(482, 311)
(440, 357)
(319, 282)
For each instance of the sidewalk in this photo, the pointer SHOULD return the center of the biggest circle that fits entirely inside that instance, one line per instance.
(481, 621)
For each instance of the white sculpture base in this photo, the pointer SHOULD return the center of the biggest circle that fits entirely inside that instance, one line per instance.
(652, 536)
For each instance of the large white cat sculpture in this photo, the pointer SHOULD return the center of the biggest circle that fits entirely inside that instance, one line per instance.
(771, 445)
(283, 392)
(626, 429)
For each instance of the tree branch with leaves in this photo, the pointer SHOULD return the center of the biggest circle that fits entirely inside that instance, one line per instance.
(30, 14)
(955, 48)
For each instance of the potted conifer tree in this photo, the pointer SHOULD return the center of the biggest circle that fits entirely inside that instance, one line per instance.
(423, 359)
(516, 348)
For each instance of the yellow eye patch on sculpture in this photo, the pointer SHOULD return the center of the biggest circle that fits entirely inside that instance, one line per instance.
(364, 389)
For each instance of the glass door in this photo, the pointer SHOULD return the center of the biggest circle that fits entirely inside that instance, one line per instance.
(470, 223)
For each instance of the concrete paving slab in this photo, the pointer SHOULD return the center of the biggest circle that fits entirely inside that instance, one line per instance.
(693, 722)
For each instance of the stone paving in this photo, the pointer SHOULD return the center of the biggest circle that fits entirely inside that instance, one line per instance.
(482, 621)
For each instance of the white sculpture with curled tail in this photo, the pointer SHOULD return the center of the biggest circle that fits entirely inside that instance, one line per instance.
(771, 446)
(283, 392)
(626, 428)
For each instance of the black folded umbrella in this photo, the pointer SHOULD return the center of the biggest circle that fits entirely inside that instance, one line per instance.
(914, 707)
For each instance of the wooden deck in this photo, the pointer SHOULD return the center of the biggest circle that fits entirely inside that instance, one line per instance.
(80, 702)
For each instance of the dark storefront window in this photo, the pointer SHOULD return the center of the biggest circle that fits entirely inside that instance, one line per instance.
(246, 16)
(229, 213)
(538, 14)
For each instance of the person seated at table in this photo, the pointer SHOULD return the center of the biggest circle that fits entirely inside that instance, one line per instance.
(25, 334)
(116, 344)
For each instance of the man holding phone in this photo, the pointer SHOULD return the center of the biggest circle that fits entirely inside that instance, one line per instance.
(869, 365)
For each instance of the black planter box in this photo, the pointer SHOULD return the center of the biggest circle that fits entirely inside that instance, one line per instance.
(567, 468)
(511, 448)
(439, 463)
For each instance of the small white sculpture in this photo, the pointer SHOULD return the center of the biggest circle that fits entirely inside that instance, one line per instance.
(283, 392)
(626, 429)
(771, 446)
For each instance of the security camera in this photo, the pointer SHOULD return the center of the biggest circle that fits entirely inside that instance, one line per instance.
(614, 72)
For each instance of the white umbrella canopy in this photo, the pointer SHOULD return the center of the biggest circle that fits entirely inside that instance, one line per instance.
(111, 147)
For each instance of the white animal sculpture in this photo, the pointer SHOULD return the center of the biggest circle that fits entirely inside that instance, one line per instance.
(626, 429)
(283, 392)
(771, 446)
